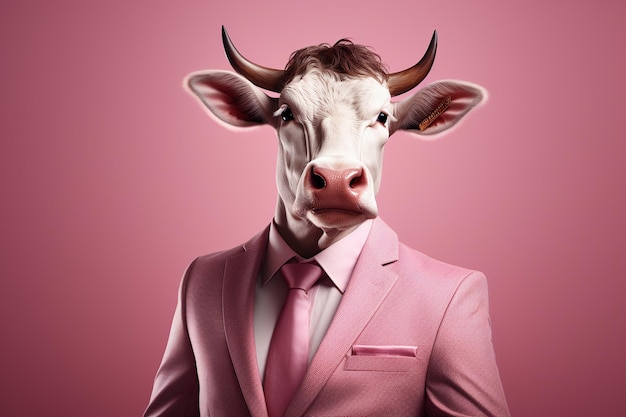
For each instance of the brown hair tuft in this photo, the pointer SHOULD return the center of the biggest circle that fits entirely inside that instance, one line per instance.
(343, 58)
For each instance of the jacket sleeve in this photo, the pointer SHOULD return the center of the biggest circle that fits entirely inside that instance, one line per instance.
(175, 390)
(463, 378)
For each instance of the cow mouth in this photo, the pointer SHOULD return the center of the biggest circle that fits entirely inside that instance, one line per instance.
(342, 208)
(332, 210)
(329, 217)
(337, 216)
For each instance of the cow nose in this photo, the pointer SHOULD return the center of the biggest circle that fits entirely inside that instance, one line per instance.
(350, 180)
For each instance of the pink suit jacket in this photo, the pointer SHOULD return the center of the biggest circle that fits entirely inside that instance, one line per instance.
(411, 337)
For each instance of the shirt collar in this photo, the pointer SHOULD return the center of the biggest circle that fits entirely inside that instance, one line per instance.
(337, 260)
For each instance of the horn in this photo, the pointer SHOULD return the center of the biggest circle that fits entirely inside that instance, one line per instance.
(267, 78)
(403, 81)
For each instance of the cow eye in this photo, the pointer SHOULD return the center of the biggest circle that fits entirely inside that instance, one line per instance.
(287, 115)
(382, 118)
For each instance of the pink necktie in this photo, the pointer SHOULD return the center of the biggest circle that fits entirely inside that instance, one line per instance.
(288, 355)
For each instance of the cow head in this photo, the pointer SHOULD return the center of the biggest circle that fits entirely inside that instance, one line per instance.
(333, 118)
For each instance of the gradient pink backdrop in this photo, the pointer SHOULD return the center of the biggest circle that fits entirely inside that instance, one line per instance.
(113, 179)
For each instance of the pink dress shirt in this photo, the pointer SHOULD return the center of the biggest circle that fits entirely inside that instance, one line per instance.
(337, 260)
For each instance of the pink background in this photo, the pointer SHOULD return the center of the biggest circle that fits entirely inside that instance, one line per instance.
(113, 179)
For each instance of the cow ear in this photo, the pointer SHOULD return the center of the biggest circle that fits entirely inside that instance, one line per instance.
(231, 98)
(436, 107)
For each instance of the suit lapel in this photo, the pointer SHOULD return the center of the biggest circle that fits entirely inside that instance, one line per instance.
(370, 283)
(238, 303)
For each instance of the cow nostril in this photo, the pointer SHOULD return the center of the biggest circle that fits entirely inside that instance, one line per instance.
(317, 181)
(357, 180)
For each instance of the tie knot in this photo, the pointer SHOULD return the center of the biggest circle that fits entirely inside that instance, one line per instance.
(301, 275)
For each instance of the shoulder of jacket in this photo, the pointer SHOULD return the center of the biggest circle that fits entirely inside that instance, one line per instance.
(432, 269)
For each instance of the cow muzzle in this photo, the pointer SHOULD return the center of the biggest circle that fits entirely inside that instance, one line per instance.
(336, 197)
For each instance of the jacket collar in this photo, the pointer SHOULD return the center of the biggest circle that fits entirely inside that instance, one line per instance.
(240, 275)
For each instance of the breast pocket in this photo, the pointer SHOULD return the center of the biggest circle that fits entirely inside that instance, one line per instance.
(381, 358)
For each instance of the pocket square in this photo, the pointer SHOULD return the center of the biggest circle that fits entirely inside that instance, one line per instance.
(384, 350)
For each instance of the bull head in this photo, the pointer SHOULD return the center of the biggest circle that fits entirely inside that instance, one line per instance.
(332, 129)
